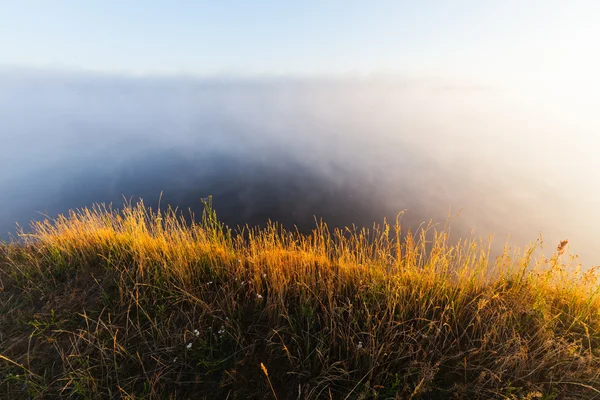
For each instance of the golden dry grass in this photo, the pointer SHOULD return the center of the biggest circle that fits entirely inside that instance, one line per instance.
(141, 305)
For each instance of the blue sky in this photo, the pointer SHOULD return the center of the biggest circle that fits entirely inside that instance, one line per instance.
(481, 40)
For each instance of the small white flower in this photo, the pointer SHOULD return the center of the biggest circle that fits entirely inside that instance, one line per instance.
(189, 345)
(243, 283)
(222, 330)
(264, 275)
(175, 360)
(360, 345)
(196, 332)
(239, 260)
(209, 283)
(259, 296)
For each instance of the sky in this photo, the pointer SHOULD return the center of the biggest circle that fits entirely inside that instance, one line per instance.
(483, 41)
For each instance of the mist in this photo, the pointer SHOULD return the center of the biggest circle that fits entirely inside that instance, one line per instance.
(513, 161)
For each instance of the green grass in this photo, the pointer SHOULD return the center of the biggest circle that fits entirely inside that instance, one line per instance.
(141, 305)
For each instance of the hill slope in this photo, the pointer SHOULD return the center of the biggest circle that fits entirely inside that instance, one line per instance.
(139, 304)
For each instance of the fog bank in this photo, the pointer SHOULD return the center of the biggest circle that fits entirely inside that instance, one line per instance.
(287, 149)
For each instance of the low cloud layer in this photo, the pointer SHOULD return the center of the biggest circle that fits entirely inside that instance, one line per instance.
(349, 151)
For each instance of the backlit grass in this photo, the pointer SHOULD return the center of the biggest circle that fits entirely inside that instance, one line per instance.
(141, 305)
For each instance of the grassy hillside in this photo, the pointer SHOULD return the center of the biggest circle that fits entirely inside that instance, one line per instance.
(138, 304)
